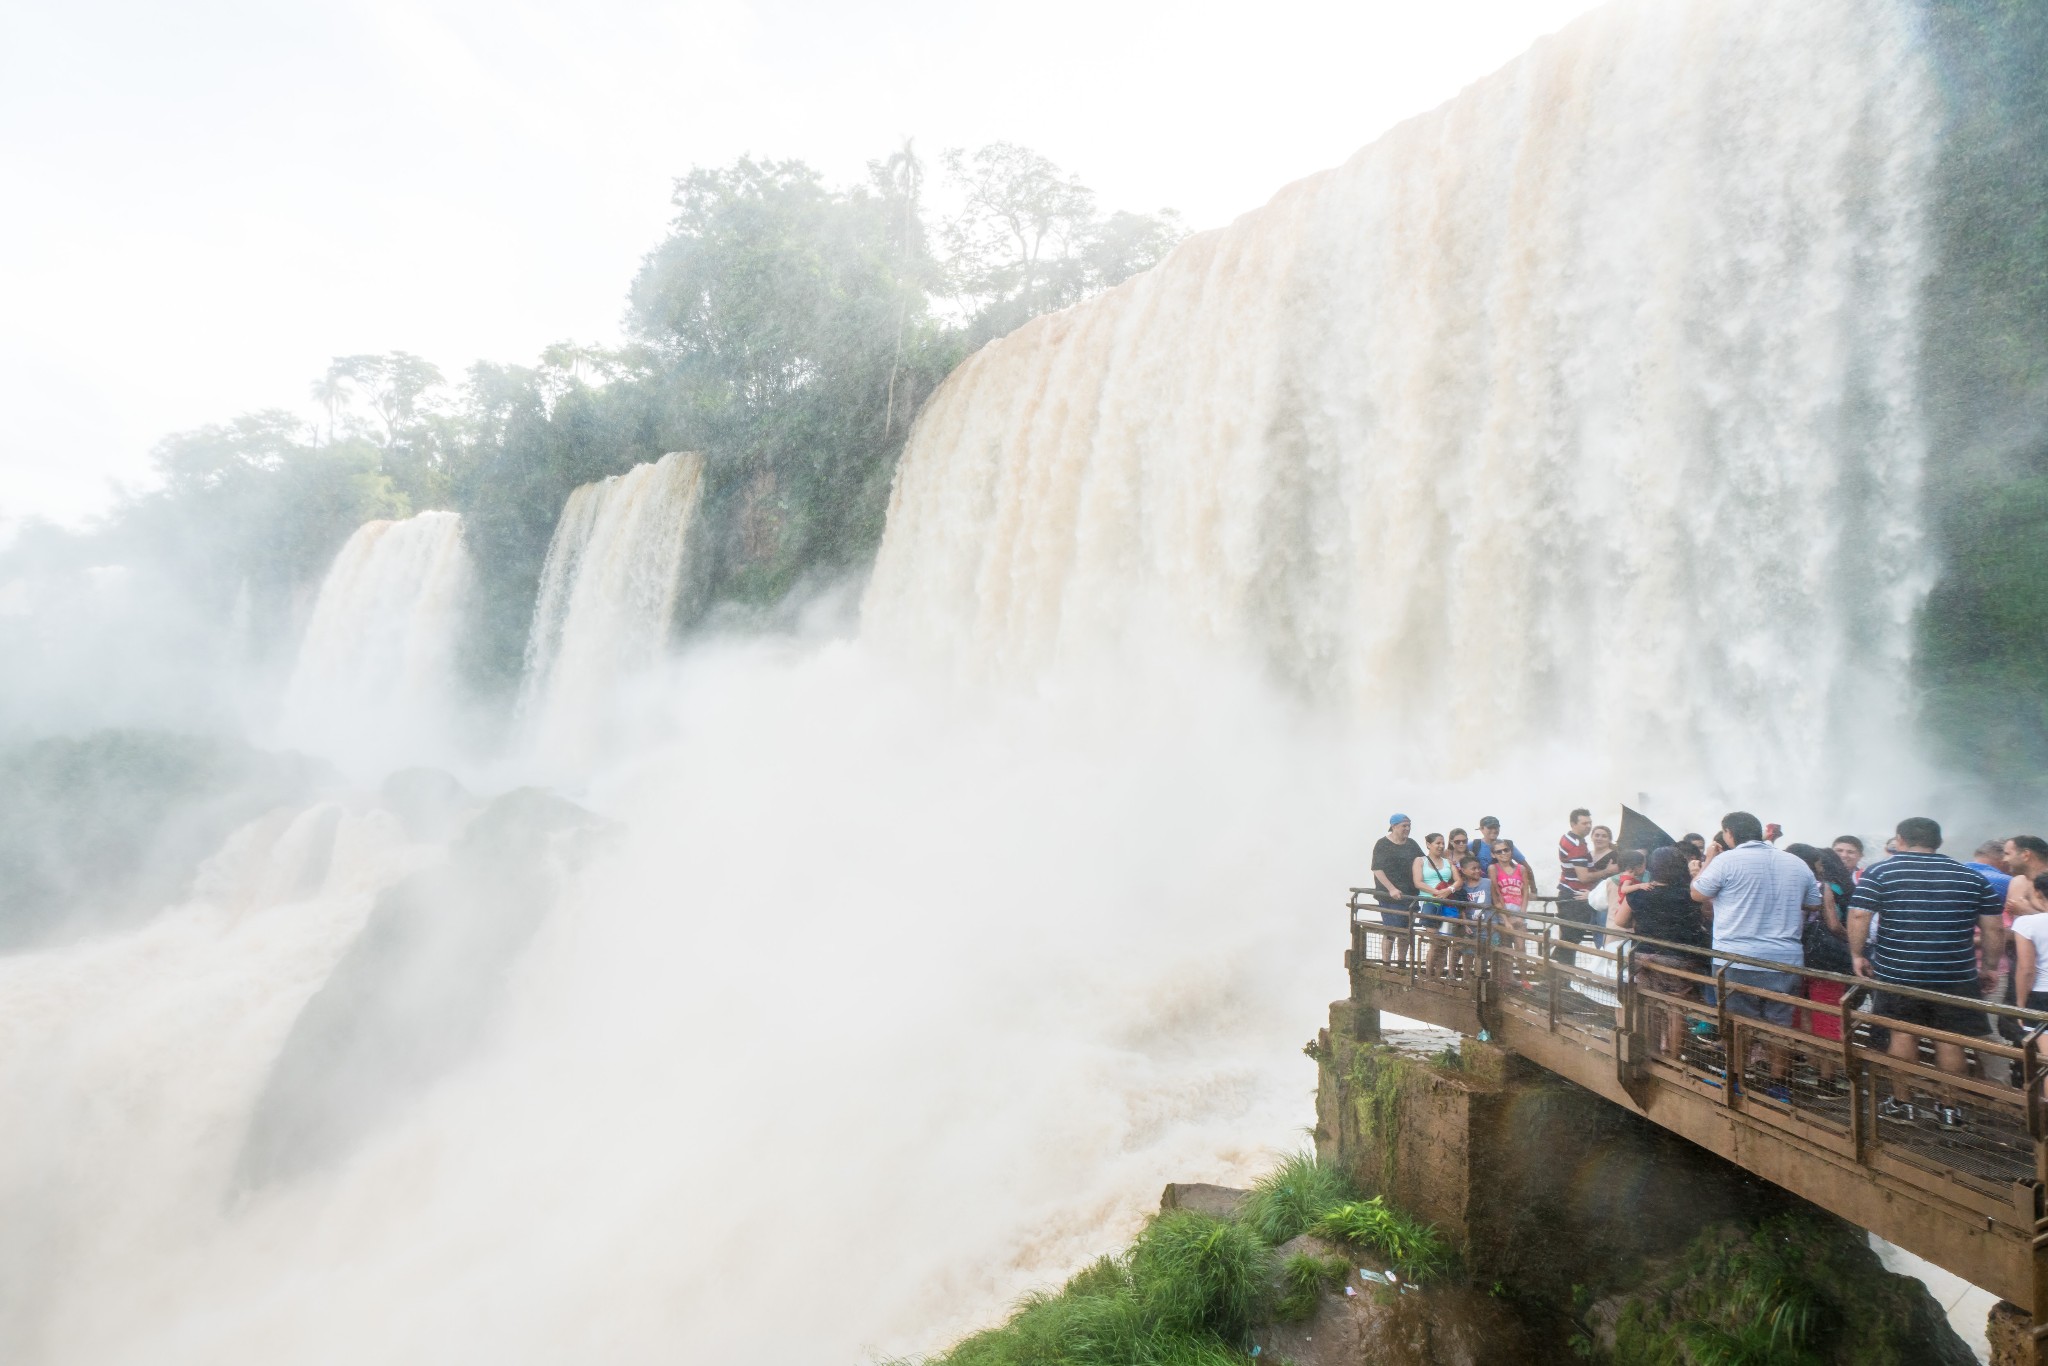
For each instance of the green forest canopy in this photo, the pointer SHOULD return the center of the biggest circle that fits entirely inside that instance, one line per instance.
(786, 328)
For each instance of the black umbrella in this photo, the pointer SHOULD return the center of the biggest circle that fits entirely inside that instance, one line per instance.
(1640, 832)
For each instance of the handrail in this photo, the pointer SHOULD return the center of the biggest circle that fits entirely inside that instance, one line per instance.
(1948, 1159)
(2037, 1017)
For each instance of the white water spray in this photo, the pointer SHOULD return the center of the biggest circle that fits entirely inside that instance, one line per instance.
(607, 601)
(375, 682)
(886, 1002)
(1579, 413)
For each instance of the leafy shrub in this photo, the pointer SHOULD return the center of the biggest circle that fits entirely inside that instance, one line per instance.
(1195, 1273)
(1411, 1245)
(1292, 1197)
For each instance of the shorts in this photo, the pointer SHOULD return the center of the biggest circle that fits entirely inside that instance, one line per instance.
(1948, 1016)
(1756, 1008)
(1397, 919)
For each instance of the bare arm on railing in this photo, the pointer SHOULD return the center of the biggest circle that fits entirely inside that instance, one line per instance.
(1859, 931)
(1388, 890)
(1991, 939)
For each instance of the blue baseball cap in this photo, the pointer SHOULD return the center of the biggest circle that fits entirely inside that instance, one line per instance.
(1395, 820)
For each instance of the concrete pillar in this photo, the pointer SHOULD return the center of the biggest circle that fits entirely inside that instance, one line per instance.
(1527, 1174)
(2010, 1330)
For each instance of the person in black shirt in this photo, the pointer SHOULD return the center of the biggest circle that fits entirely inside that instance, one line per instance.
(1663, 908)
(1393, 874)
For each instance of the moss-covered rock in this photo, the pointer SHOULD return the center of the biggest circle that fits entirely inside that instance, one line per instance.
(1798, 1288)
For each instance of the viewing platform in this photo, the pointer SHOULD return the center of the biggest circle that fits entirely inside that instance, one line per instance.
(1959, 1182)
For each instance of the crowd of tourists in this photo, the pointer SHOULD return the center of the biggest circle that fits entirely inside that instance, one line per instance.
(1739, 908)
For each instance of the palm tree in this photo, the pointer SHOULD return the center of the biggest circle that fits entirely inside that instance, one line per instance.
(906, 177)
(331, 391)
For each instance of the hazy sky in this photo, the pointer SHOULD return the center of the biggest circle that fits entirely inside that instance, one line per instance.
(206, 201)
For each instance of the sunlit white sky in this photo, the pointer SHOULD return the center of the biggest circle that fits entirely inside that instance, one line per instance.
(205, 201)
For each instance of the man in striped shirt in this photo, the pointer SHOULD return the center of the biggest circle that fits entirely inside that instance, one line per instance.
(1574, 880)
(1931, 914)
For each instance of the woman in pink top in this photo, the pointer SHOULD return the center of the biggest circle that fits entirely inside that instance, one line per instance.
(1510, 890)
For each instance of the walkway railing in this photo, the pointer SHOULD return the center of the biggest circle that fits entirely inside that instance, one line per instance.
(1658, 1017)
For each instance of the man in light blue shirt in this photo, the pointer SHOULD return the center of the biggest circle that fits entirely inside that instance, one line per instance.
(1759, 897)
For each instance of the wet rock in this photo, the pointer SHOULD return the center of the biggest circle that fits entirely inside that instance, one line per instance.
(1218, 1202)
(430, 804)
(416, 994)
(1721, 1294)
(2010, 1333)
(1376, 1325)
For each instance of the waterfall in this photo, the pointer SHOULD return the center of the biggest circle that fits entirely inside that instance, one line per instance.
(1577, 413)
(1576, 417)
(607, 599)
(374, 683)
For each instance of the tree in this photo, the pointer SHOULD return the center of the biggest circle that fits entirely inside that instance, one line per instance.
(414, 435)
(1027, 239)
(901, 179)
(791, 327)
(255, 507)
(1126, 244)
(1018, 234)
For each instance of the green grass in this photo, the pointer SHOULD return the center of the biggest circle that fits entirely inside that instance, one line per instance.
(1290, 1199)
(1796, 1290)
(1304, 1278)
(1189, 1290)
(1087, 1330)
(1414, 1248)
(1200, 1274)
(1192, 1286)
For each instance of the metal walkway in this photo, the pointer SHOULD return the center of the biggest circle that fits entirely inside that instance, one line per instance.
(1958, 1181)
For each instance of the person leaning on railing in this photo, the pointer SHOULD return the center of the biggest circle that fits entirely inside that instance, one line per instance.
(1932, 914)
(1663, 908)
(1435, 877)
(1393, 874)
(1474, 893)
(1827, 949)
(1759, 897)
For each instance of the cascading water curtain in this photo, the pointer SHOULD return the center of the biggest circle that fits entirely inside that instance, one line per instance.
(1576, 416)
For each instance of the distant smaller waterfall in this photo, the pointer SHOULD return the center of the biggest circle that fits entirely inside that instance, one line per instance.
(607, 599)
(374, 683)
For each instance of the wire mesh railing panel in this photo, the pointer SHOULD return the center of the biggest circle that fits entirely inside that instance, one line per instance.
(1789, 1047)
